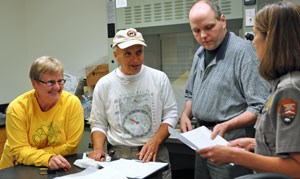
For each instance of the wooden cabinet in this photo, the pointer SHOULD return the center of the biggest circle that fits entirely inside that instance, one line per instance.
(2, 139)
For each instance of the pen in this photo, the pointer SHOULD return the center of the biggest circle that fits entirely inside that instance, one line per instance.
(107, 157)
(102, 156)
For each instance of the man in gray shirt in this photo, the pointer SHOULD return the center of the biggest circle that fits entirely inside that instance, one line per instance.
(224, 91)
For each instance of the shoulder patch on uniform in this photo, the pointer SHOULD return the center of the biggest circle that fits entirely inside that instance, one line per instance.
(287, 110)
(268, 104)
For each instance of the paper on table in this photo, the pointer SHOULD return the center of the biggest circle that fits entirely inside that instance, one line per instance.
(93, 173)
(122, 168)
(198, 138)
(135, 168)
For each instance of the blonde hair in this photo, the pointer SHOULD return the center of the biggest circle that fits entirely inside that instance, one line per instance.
(43, 65)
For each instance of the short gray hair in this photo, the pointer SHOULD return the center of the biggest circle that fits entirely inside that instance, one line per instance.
(43, 65)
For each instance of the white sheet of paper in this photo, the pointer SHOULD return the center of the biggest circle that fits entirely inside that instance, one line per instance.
(135, 168)
(198, 138)
(93, 173)
(121, 3)
(118, 169)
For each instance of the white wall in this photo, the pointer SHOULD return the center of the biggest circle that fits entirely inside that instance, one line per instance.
(13, 63)
(74, 31)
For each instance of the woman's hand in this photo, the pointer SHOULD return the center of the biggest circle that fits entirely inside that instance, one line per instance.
(57, 162)
(244, 143)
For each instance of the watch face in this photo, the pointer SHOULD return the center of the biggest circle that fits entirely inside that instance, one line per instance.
(137, 123)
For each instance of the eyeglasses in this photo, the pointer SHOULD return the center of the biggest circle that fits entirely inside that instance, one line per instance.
(52, 82)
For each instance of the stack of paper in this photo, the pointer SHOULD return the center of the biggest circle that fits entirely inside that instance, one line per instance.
(121, 169)
(198, 138)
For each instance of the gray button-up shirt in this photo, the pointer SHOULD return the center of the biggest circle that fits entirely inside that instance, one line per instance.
(229, 85)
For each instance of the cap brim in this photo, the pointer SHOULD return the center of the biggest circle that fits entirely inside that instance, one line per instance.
(131, 43)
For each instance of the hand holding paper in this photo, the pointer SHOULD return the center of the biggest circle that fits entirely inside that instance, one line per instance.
(198, 138)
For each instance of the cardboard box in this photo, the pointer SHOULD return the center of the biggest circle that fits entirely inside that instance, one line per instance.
(93, 74)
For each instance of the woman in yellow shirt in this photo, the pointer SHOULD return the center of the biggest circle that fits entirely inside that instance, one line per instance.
(45, 123)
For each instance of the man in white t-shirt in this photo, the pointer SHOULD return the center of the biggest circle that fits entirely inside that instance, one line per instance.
(132, 106)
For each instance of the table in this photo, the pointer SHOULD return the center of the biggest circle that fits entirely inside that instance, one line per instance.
(32, 172)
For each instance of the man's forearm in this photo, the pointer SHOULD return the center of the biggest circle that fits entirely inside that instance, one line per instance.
(162, 133)
(188, 109)
(98, 140)
(245, 119)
